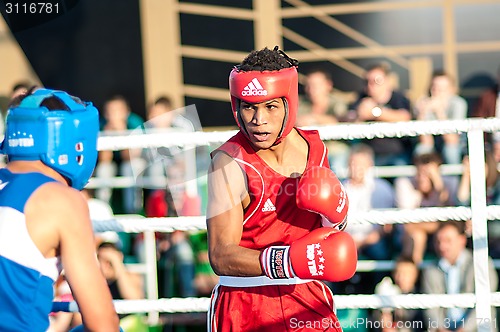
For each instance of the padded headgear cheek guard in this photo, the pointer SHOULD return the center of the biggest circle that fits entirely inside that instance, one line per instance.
(260, 86)
(64, 140)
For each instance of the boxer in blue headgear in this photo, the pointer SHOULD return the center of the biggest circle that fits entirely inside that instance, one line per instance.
(51, 145)
(64, 139)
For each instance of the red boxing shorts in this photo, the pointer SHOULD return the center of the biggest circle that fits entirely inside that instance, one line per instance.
(274, 306)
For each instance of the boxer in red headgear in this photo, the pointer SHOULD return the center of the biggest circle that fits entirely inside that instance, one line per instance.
(246, 86)
(275, 210)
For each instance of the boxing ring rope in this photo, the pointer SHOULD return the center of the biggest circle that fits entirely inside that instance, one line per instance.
(159, 182)
(479, 213)
(140, 224)
(186, 140)
(406, 301)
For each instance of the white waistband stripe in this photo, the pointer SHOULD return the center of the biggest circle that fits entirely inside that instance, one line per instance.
(258, 281)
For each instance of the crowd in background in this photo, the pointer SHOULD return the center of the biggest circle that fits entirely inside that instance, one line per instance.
(183, 266)
(446, 247)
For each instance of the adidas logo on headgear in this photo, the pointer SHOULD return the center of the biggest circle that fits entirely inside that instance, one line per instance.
(254, 88)
(268, 206)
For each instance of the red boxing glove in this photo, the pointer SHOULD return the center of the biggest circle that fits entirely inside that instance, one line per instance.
(320, 191)
(323, 254)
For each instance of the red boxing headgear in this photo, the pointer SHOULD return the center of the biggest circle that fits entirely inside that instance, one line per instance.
(258, 86)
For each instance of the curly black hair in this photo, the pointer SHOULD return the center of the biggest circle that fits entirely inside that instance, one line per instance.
(266, 59)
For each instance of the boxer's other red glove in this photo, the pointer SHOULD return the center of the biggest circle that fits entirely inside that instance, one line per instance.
(323, 254)
(320, 191)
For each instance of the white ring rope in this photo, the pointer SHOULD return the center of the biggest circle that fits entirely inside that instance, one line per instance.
(411, 128)
(138, 224)
(140, 139)
(160, 182)
(404, 301)
(135, 140)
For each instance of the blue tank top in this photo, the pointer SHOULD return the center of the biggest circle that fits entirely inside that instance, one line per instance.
(26, 276)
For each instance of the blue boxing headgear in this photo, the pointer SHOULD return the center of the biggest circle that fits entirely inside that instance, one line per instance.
(64, 140)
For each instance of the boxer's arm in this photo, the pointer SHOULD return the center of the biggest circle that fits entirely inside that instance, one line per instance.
(77, 250)
(227, 193)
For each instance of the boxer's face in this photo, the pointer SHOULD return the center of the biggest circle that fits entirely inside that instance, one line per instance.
(263, 121)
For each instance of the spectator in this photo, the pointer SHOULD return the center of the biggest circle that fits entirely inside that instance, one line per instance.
(365, 193)
(321, 106)
(442, 104)
(453, 273)
(161, 117)
(426, 189)
(404, 280)
(118, 118)
(176, 266)
(205, 278)
(492, 198)
(174, 163)
(99, 210)
(122, 283)
(492, 184)
(380, 102)
(177, 263)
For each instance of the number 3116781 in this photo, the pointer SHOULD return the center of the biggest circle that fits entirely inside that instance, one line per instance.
(32, 8)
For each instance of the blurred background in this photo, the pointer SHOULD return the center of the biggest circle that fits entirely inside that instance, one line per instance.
(142, 49)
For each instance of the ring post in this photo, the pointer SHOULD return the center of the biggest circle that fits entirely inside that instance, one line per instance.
(151, 275)
(479, 229)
